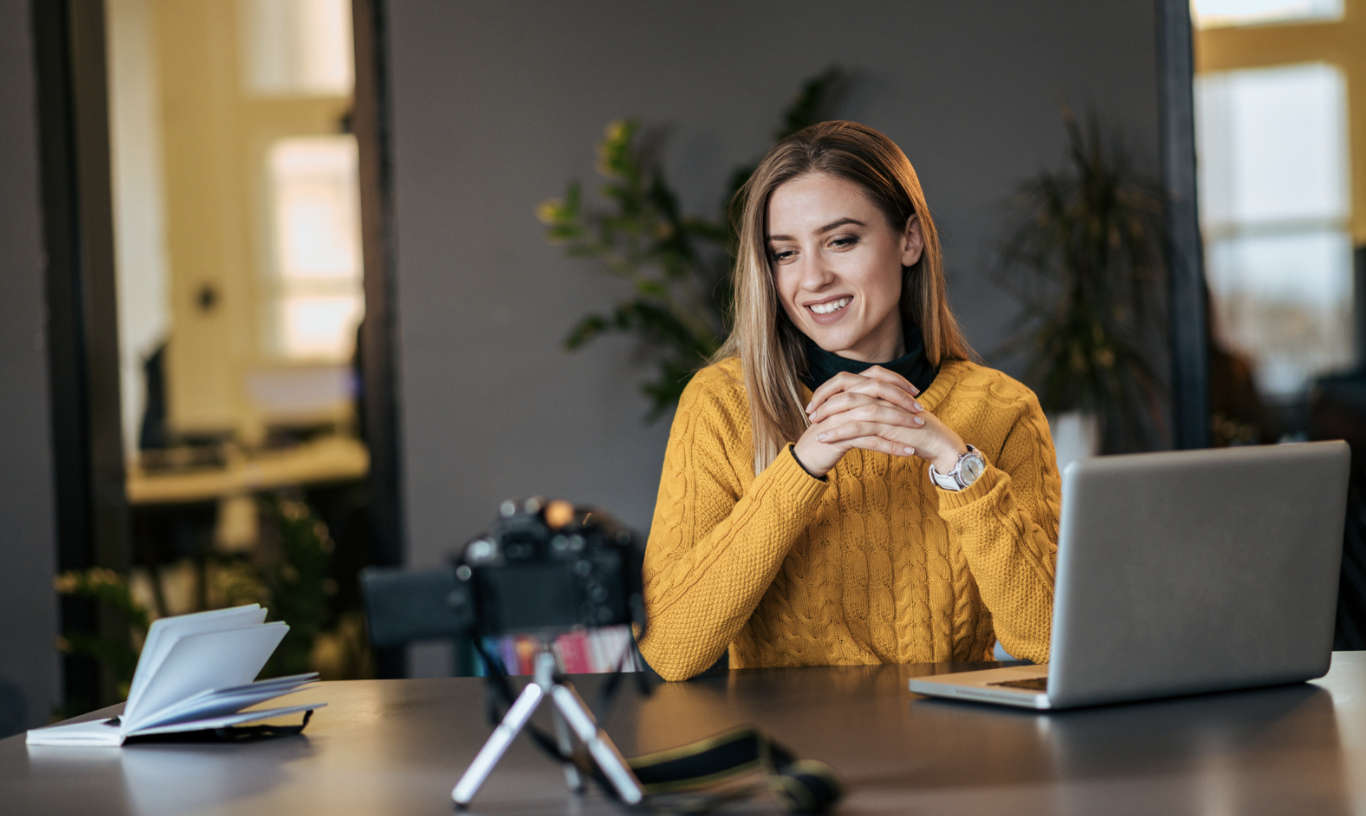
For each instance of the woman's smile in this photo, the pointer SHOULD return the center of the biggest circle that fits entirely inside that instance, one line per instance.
(831, 310)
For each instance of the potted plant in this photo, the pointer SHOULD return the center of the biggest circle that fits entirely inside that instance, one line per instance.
(678, 265)
(1084, 263)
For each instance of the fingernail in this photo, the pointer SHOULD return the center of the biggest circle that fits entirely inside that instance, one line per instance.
(919, 421)
(820, 436)
(919, 407)
(808, 407)
(908, 450)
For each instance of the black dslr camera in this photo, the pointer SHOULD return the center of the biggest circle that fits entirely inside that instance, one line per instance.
(543, 567)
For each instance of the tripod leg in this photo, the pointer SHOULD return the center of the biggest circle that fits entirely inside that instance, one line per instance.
(513, 722)
(600, 747)
(572, 777)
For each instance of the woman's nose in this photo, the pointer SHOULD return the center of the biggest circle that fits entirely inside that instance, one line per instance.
(816, 273)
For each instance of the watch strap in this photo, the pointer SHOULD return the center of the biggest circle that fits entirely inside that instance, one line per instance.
(953, 480)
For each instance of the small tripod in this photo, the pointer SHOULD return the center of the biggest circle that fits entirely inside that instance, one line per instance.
(570, 715)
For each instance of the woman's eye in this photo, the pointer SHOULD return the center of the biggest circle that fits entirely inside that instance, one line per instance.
(844, 241)
(781, 255)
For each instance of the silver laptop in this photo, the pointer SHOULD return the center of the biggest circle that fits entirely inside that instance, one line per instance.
(1182, 573)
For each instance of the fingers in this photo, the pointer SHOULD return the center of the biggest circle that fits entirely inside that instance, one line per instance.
(891, 378)
(865, 405)
(873, 442)
(859, 429)
(876, 380)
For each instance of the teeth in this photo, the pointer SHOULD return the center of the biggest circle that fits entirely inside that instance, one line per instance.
(832, 306)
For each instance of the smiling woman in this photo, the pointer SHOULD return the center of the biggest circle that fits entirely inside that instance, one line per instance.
(797, 523)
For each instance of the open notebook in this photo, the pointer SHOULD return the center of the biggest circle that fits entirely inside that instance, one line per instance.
(195, 673)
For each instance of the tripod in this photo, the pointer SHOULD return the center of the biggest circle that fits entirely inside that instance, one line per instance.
(570, 715)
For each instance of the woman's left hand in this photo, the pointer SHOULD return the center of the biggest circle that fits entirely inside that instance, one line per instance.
(933, 441)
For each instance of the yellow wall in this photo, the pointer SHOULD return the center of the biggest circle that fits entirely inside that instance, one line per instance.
(1341, 43)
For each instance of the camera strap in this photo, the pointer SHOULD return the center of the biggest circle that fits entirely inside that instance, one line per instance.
(695, 778)
(704, 775)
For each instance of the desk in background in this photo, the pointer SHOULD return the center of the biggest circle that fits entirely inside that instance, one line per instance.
(332, 459)
(398, 746)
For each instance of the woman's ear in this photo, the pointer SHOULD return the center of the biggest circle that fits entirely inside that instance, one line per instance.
(912, 242)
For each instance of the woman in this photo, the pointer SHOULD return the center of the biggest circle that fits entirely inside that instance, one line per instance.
(797, 521)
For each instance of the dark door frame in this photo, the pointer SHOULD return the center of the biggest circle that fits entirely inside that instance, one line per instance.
(378, 353)
(1186, 293)
(82, 337)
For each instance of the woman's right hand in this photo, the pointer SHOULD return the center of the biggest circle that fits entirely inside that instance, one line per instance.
(870, 409)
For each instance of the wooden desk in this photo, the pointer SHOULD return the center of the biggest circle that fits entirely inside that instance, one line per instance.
(397, 747)
(324, 460)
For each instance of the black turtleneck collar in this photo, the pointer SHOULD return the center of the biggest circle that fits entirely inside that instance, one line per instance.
(821, 365)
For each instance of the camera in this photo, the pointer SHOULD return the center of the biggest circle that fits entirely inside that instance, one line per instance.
(542, 568)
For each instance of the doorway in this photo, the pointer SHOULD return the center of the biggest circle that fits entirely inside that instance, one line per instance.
(230, 413)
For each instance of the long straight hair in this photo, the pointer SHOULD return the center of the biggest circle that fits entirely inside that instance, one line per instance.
(771, 349)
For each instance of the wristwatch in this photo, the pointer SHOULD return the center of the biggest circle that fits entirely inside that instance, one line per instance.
(970, 466)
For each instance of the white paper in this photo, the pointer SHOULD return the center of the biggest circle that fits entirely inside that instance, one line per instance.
(225, 722)
(220, 702)
(165, 632)
(195, 673)
(199, 662)
(98, 733)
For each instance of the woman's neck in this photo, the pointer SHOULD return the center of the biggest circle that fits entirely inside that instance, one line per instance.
(910, 363)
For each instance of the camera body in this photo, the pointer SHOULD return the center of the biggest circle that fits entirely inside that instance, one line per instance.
(542, 568)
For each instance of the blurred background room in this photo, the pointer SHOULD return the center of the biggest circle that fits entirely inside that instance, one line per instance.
(289, 288)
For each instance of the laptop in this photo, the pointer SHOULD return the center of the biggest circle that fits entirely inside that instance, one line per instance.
(1182, 573)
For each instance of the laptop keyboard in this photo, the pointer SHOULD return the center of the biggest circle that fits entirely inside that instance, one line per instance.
(1030, 683)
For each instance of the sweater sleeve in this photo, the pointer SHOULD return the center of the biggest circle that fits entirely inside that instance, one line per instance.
(715, 545)
(1007, 525)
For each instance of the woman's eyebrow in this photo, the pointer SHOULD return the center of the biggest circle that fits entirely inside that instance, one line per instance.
(832, 225)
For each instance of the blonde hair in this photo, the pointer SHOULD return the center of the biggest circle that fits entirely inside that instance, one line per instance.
(771, 349)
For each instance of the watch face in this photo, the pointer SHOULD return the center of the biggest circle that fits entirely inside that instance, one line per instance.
(970, 468)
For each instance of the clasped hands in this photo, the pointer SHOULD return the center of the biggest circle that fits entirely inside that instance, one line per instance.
(875, 410)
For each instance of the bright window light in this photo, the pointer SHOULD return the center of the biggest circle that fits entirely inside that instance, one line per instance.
(319, 326)
(1275, 208)
(298, 47)
(1273, 144)
(1217, 13)
(316, 209)
(1285, 301)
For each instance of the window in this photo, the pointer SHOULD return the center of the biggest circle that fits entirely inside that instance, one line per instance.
(317, 258)
(1275, 207)
(298, 47)
(1218, 13)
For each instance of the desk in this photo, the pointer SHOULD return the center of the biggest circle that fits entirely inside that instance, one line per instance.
(398, 746)
(331, 459)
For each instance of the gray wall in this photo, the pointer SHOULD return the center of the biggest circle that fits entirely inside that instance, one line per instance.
(496, 105)
(28, 606)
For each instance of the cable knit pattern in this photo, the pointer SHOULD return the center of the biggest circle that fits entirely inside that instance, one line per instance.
(873, 565)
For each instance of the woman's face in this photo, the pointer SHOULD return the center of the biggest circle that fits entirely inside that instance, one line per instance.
(837, 264)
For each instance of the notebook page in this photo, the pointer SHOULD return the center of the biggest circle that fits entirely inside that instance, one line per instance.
(196, 663)
(90, 733)
(235, 719)
(164, 632)
(221, 702)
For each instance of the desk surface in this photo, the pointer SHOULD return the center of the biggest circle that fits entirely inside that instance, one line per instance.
(398, 746)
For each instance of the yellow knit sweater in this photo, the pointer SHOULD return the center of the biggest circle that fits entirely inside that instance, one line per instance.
(873, 565)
